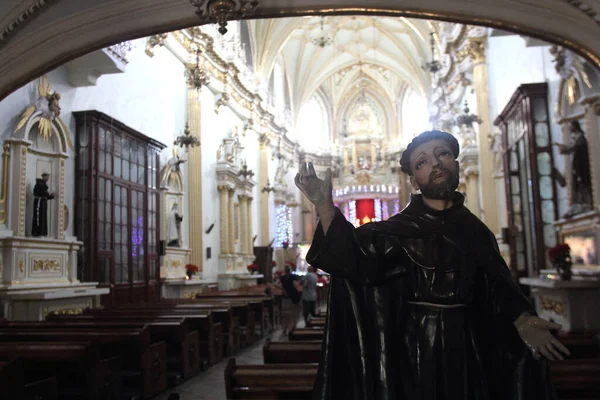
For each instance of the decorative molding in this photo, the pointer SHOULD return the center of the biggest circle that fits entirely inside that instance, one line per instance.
(586, 9)
(476, 49)
(153, 41)
(22, 266)
(553, 305)
(45, 266)
(21, 20)
(4, 183)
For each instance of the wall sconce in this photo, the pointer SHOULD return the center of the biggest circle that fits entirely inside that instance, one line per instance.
(221, 102)
(268, 188)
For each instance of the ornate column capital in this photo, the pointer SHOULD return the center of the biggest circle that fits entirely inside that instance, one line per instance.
(476, 49)
(471, 170)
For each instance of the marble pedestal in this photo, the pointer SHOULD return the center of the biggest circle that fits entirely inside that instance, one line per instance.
(237, 280)
(39, 276)
(172, 264)
(574, 304)
(34, 303)
(184, 288)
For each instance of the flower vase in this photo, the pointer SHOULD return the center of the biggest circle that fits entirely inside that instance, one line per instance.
(564, 270)
(189, 275)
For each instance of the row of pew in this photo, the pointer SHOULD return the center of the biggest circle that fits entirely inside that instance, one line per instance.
(131, 352)
(290, 368)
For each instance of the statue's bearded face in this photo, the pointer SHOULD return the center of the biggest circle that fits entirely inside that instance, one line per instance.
(434, 170)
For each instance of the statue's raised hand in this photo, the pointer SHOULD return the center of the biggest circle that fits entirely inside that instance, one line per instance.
(318, 191)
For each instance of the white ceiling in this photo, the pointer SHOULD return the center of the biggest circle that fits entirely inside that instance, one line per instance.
(381, 54)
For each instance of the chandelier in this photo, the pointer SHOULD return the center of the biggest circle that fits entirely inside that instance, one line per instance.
(434, 65)
(186, 140)
(197, 76)
(322, 41)
(220, 11)
(467, 119)
(245, 172)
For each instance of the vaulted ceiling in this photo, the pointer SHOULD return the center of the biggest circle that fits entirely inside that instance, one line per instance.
(379, 55)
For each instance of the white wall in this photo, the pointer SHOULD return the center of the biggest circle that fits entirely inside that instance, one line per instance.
(149, 97)
(511, 64)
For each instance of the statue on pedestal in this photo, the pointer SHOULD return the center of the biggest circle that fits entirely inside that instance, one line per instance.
(40, 206)
(174, 227)
(581, 181)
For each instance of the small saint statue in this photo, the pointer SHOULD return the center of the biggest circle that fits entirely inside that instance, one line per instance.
(40, 206)
(581, 181)
(174, 227)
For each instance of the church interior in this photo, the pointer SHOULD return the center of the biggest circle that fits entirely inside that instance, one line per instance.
(148, 209)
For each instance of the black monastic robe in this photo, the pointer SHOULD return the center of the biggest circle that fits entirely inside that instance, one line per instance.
(421, 307)
(40, 208)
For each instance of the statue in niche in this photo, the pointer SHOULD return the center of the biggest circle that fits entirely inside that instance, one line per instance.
(581, 181)
(174, 227)
(40, 206)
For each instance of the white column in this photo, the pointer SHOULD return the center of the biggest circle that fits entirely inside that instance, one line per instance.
(250, 246)
(243, 223)
(231, 220)
(224, 219)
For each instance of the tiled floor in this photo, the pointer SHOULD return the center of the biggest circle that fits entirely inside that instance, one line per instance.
(210, 385)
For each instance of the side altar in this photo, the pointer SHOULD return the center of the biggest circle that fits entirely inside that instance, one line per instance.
(38, 260)
(234, 182)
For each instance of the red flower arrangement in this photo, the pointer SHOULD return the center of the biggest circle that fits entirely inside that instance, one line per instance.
(560, 257)
(560, 253)
(285, 244)
(191, 269)
(252, 267)
(274, 263)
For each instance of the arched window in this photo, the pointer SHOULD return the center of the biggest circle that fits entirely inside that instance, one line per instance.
(312, 126)
(415, 116)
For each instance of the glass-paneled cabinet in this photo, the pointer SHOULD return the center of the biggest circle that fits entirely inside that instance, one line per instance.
(117, 207)
(530, 188)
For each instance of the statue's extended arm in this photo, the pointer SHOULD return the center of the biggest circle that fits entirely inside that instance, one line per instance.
(508, 299)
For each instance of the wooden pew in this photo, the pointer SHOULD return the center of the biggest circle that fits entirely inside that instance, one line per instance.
(269, 382)
(12, 378)
(222, 313)
(241, 309)
(261, 305)
(306, 334)
(182, 343)
(296, 352)
(317, 322)
(144, 369)
(210, 333)
(81, 371)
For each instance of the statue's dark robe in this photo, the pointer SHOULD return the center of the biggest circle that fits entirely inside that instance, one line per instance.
(40, 208)
(580, 171)
(421, 307)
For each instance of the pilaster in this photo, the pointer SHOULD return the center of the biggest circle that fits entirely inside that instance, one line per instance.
(194, 176)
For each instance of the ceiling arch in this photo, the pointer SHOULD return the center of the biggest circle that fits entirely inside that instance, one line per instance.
(36, 36)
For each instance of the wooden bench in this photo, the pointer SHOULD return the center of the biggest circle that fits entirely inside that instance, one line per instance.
(242, 309)
(269, 382)
(262, 307)
(144, 369)
(182, 343)
(210, 333)
(222, 313)
(304, 334)
(317, 322)
(296, 352)
(80, 370)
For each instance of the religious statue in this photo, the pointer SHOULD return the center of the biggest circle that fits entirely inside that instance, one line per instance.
(423, 306)
(581, 181)
(40, 206)
(174, 227)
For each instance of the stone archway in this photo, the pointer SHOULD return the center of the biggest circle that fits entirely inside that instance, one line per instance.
(39, 35)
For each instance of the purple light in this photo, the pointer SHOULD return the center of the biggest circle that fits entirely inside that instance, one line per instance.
(137, 237)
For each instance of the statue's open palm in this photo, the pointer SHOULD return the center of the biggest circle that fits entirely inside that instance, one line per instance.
(318, 191)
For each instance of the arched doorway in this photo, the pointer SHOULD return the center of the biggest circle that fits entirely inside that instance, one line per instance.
(37, 36)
